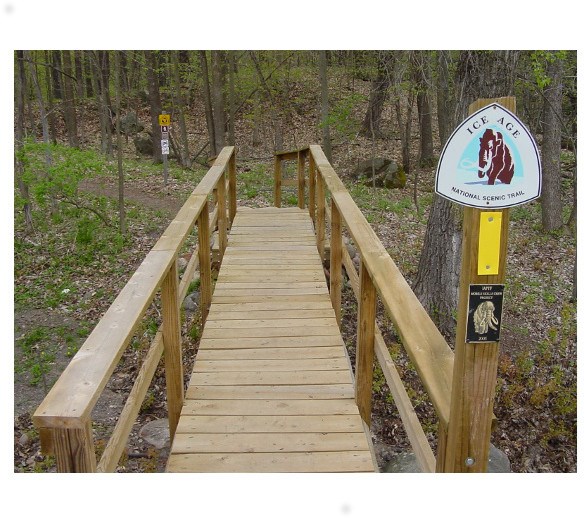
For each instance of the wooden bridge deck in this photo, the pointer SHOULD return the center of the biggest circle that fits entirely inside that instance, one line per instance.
(272, 387)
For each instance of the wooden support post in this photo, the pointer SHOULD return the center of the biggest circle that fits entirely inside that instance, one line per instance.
(320, 215)
(204, 262)
(171, 340)
(336, 266)
(365, 344)
(277, 181)
(311, 184)
(74, 449)
(221, 216)
(232, 189)
(301, 181)
(464, 445)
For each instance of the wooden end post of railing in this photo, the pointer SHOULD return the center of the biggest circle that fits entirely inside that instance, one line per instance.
(171, 339)
(74, 449)
(204, 262)
(365, 343)
(232, 189)
(277, 181)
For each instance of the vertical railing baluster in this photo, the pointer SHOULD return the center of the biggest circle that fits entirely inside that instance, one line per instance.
(171, 339)
(320, 215)
(204, 262)
(311, 185)
(365, 343)
(301, 158)
(232, 189)
(74, 449)
(336, 261)
(221, 217)
(277, 181)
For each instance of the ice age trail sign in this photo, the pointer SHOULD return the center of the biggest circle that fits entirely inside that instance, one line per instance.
(490, 162)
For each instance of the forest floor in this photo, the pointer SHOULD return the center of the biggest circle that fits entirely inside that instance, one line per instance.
(64, 283)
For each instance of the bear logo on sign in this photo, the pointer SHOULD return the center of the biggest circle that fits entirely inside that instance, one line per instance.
(495, 159)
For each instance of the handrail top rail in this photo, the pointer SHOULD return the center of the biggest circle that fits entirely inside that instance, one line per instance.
(72, 398)
(425, 345)
(291, 154)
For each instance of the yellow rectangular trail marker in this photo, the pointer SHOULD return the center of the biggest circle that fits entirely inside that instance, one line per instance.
(489, 243)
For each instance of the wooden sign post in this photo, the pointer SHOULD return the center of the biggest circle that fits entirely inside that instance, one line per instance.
(164, 122)
(505, 171)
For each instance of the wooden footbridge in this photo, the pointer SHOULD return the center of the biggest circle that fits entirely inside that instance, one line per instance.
(272, 387)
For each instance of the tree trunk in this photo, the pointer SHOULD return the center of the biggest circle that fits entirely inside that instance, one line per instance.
(184, 151)
(80, 85)
(480, 74)
(19, 138)
(155, 104)
(423, 86)
(551, 192)
(104, 119)
(217, 57)
(50, 108)
(207, 101)
(231, 124)
(371, 123)
(444, 99)
(119, 151)
(324, 103)
(56, 74)
(69, 100)
(89, 75)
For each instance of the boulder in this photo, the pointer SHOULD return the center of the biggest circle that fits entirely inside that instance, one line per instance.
(156, 433)
(144, 145)
(387, 173)
(130, 125)
(406, 463)
(191, 301)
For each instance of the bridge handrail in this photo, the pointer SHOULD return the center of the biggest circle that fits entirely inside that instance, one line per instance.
(64, 416)
(379, 276)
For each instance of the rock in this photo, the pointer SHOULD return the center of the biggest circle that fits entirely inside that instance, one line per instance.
(24, 440)
(182, 263)
(357, 261)
(156, 433)
(350, 248)
(387, 173)
(144, 145)
(407, 463)
(191, 302)
(130, 125)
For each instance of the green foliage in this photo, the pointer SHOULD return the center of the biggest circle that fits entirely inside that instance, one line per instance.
(539, 61)
(342, 117)
(53, 171)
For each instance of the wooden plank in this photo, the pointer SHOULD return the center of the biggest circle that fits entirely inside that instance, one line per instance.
(262, 332)
(336, 391)
(273, 378)
(272, 341)
(289, 462)
(226, 291)
(272, 323)
(229, 297)
(268, 442)
(336, 267)
(286, 365)
(264, 353)
(267, 424)
(270, 407)
(217, 314)
(256, 277)
(252, 287)
(282, 305)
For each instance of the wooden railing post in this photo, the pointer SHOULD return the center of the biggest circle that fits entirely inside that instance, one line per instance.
(336, 260)
(301, 182)
(277, 181)
(171, 339)
(232, 189)
(221, 217)
(204, 262)
(74, 449)
(320, 215)
(365, 344)
(311, 184)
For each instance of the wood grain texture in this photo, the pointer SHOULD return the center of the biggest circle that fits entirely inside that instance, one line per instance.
(271, 387)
